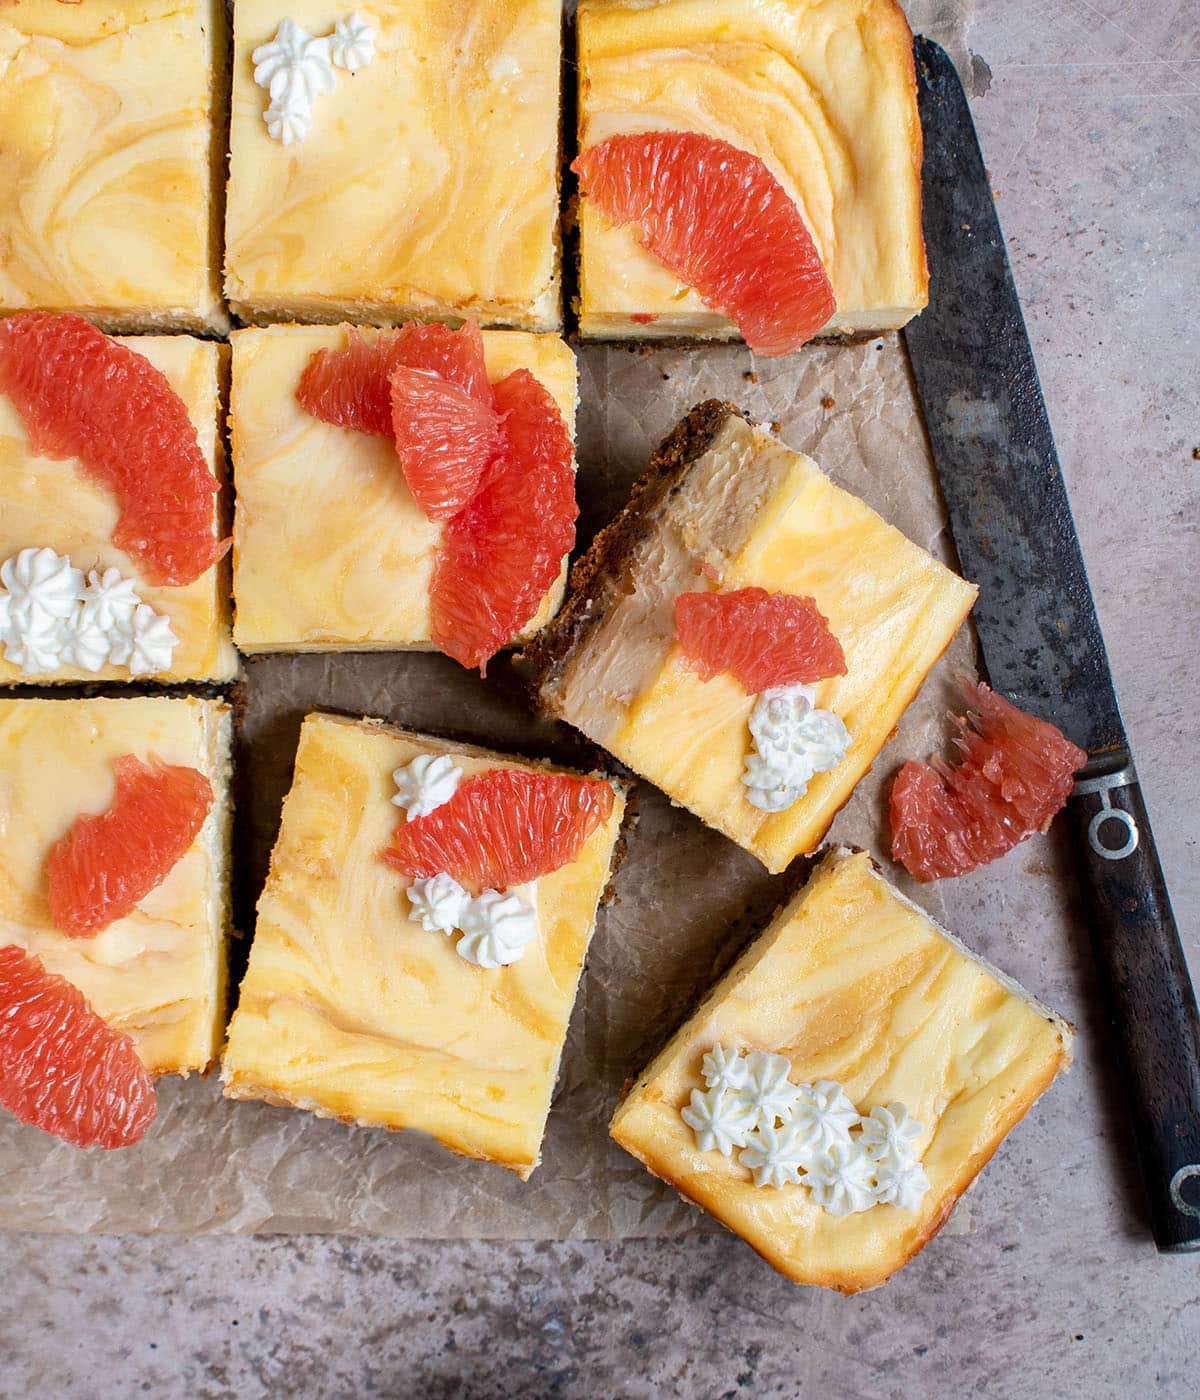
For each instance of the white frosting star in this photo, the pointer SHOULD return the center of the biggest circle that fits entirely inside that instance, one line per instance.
(293, 64)
(145, 642)
(423, 785)
(842, 1179)
(353, 42)
(900, 1185)
(724, 1069)
(37, 650)
(437, 904)
(720, 1120)
(496, 929)
(823, 1116)
(109, 600)
(889, 1133)
(289, 120)
(773, 1156)
(43, 587)
(767, 1088)
(86, 647)
(793, 741)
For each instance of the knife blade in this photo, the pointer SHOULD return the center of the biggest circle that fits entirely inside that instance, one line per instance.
(1040, 638)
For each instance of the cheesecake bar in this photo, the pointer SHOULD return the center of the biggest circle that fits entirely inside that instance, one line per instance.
(359, 1004)
(158, 973)
(330, 550)
(726, 506)
(822, 91)
(55, 504)
(420, 180)
(111, 143)
(897, 1059)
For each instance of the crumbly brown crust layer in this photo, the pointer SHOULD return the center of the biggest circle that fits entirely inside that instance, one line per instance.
(595, 574)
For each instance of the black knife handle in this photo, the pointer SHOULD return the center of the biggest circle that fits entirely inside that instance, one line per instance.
(1156, 1028)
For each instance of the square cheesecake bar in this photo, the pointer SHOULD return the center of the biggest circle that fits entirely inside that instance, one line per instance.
(330, 551)
(158, 974)
(854, 993)
(352, 1009)
(111, 140)
(822, 91)
(726, 506)
(425, 183)
(54, 503)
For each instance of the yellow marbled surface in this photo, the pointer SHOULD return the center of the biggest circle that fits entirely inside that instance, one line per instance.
(821, 90)
(891, 605)
(428, 185)
(53, 503)
(159, 973)
(350, 1009)
(851, 982)
(330, 549)
(106, 160)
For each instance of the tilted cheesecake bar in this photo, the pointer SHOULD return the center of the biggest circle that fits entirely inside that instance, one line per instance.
(352, 1009)
(822, 91)
(158, 973)
(426, 182)
(860, 994)
(330, 551)
(726, 506)
(111, 139)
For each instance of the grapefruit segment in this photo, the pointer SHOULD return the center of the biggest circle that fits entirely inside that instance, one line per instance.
(62, 1068)
(106, 864)
(722, 223)
(763, 639)
(445, 438)
(351, 387)
(500, 556)
(503, 827)
(81, 394)
(1015, 774)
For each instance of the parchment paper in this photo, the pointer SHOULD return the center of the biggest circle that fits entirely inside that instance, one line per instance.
(686, 899)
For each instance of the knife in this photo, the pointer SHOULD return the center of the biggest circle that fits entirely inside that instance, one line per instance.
(1041, 641)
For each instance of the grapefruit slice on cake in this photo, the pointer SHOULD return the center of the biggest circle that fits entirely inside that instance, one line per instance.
(106, 865)
(763, 639)
(62, 1068)
(500, 556)
(503, 827)
(1016, 772)
(722, 223)
(445, 438)
(352, 387)
(82, 394)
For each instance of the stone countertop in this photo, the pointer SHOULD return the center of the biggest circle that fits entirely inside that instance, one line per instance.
(1087, 113)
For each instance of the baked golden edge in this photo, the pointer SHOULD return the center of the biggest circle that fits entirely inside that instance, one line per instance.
(864, 1279)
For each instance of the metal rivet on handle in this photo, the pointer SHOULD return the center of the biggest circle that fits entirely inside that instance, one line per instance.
(1182, 1175)
(1102, 788)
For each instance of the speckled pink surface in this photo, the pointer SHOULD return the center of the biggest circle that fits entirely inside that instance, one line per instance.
(1087, 111)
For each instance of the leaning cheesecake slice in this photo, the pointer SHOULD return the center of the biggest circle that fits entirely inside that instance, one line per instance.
(418, 969)
(821, 92)
(727, 508)
(896, 1059)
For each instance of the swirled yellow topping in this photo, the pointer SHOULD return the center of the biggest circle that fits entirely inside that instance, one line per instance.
(427, 184)
(107, 160)
(821, 90)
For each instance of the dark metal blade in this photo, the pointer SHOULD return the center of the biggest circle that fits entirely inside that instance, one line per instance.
(992, 442)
